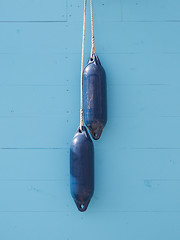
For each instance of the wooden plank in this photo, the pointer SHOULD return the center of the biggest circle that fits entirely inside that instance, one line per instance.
(137, 164)
(34, 165)
(121, 69)
(53, 196)
(127, 10)
(42, 69)
(103, 10)
(142, 132)
(125, 37)
(37, 132)
(30, 100)
(26, 10)
(162, 10)
(53, 165)
(57, 132)
(63, 101)
(144, 100)
(35, 195)
(137, 159)
(129, 176)
(149, 225)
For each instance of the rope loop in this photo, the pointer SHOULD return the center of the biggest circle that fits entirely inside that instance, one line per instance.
(82, 63)
(92, 31)
(81, 119)
(82, 58)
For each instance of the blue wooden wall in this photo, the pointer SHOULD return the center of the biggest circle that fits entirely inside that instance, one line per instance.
(137, 160)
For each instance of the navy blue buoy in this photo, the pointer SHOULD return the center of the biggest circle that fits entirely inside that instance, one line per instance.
(94, 97)
(82, 168)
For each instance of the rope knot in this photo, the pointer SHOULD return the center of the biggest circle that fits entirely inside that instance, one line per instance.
(81, 118)
(92, 40)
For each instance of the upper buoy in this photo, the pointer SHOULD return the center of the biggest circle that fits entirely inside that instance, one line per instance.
(94, 97)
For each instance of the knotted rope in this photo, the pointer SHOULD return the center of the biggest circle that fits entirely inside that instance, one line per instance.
(82, 58)
(82, 64)
(92, 31)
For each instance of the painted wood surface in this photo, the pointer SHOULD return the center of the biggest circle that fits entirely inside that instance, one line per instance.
(137, 160)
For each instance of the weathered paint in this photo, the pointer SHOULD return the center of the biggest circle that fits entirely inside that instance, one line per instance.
(137, 160)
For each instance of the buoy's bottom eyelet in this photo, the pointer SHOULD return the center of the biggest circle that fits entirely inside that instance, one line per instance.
(82, 206)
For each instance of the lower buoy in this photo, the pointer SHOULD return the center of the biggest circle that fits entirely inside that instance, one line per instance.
(82, 168)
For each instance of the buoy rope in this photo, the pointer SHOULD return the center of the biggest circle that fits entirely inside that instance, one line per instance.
(82, 64)
(92, 31)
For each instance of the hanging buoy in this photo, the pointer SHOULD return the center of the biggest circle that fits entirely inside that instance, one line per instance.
(94, 96)
(82, 153)
(94, 91)
(82, 168)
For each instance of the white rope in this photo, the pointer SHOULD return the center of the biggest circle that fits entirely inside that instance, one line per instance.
(82, 64)
(92, 31)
